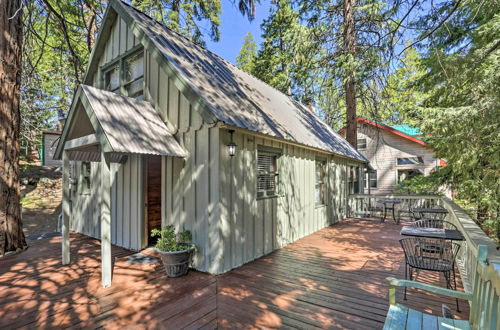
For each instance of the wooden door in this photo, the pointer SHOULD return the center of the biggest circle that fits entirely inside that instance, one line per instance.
(153, 193)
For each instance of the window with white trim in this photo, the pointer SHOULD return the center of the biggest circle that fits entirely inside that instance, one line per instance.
(371, 179)
(126, 75)
(134, 76)
(86, 171)
(418, 160)
(320, 184)
(353, 176)
(267, 174)
(361, 144)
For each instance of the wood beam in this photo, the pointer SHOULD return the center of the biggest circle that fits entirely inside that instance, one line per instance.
(83, 141)
(106, 184)
(66, 211)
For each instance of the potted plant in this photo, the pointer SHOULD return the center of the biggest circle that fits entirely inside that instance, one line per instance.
(175, 250)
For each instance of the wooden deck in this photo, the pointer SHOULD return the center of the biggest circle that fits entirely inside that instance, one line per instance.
(331, 279)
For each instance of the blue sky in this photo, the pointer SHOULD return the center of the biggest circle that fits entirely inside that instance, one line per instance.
(234, 27)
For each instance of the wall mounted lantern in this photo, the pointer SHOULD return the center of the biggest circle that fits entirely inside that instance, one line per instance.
(231, 147)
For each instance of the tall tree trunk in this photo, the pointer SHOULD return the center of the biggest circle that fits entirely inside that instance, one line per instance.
(11, 232)
(350, 84)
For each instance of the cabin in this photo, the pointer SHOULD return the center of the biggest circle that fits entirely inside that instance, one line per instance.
(163, 131)
(395, 153)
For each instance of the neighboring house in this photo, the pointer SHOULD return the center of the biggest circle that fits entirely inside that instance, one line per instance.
(395, 153)
(148, 140)
(50, 138)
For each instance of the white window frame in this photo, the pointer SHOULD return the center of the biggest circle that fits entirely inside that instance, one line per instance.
(274, 174)
(322, 183)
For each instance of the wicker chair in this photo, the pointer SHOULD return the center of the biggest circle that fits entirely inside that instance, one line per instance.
(436, 255)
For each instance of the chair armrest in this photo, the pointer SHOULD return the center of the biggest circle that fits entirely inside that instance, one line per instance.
(393, 283)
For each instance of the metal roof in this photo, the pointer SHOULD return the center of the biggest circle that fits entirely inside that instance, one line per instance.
(131, 126)
(237, 98)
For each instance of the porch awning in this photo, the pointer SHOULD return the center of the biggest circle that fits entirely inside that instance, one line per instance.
(130, 125)
(118, 124)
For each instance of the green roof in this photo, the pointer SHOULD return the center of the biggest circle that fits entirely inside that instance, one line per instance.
(408, 130)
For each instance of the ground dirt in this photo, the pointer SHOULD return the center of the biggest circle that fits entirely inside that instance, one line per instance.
(41, 189)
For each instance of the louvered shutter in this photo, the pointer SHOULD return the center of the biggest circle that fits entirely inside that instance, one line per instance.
(266, 174)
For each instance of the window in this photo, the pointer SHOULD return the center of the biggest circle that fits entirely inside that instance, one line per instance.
(371, 179)
(361, 144)
(112, 79)
(353, 176)
(126, 76)
(319, 194)
(85, 175)
(408, 174)
(134, 76)
(267, 173)
(410, 160)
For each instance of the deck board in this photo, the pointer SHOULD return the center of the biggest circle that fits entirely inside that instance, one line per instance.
(334, 278)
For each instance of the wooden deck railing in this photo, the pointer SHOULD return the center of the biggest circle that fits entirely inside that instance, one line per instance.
(360, 204)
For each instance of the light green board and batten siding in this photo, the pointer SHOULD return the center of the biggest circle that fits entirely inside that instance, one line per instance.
(210, 193)
(252, 227)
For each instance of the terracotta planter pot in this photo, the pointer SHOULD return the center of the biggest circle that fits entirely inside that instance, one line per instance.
(177, 262)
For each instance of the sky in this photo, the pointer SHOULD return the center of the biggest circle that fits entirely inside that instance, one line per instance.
(234, 27)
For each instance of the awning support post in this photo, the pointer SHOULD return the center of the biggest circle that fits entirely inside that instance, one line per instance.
(66, 211)
(106, 258)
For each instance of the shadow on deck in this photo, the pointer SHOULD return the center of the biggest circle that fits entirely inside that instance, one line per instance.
(334, 278)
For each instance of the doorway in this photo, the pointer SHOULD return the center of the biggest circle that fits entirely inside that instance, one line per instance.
(153, 195)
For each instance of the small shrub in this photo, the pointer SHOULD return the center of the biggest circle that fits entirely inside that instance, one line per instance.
(168, 240)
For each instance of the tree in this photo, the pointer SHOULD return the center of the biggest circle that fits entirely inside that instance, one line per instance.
(461, 114)
(286, 58)
(402, 97)
(349, 41)
(248, 52)
(11, 233)
(355, 42)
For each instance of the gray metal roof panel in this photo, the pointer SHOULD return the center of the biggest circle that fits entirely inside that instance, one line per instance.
(131, 126)
(237, 98)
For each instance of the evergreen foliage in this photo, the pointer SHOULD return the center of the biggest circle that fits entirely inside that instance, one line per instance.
(248, 52)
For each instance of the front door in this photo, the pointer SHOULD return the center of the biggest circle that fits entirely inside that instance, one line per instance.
(153, 192)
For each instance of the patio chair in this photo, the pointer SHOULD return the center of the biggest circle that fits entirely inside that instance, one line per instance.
(374, 210)
(406, 210)
(435, 255)
(434, 223)
(483, 299)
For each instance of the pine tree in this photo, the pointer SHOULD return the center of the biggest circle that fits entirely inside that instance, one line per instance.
(248, 52)
(461, 114)
(11, 232)
(286, 58)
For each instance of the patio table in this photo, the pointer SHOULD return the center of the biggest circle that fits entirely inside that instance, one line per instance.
(447, 234)
(386, 203)
(436, 212)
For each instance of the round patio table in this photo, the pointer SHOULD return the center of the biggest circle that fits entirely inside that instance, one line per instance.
(390, 204)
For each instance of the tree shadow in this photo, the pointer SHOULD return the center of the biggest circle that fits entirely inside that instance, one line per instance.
(334, 278)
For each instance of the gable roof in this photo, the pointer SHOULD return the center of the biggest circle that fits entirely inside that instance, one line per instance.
(390, 129)
(230, 95)
(123, 124)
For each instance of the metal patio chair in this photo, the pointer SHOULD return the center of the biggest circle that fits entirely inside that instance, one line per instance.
(434, 223)
(436, 255)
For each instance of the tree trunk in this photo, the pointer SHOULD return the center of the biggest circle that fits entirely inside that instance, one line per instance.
(350, 84)
(11, 232)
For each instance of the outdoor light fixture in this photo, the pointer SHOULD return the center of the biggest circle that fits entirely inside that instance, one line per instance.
(231, 146)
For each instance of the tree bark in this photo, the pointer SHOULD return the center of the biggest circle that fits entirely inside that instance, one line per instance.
(350, 84)
(11, 232)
